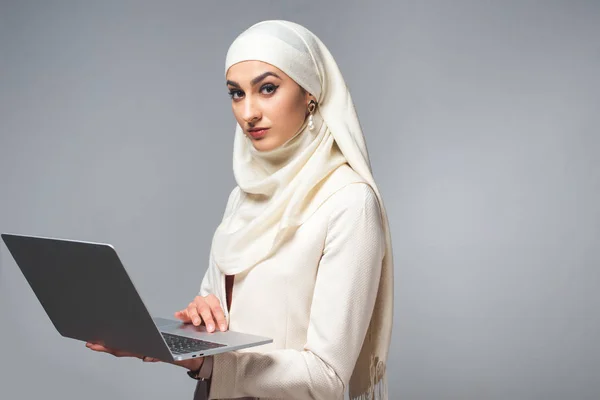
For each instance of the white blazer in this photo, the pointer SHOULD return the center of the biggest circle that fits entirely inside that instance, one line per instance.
(314, 297)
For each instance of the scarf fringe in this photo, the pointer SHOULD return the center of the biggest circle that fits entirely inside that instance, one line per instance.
(379, 391)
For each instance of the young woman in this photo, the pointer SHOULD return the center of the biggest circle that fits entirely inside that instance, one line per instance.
(303, 254)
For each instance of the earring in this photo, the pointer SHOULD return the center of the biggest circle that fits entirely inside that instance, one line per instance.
(312, 106)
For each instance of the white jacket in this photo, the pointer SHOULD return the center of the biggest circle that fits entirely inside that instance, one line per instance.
(314, 297)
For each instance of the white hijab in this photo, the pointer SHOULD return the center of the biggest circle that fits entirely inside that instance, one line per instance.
(277, 185)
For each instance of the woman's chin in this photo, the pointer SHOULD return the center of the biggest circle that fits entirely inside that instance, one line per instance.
(265, 144)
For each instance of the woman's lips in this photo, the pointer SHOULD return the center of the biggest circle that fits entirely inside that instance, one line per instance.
(258, 134)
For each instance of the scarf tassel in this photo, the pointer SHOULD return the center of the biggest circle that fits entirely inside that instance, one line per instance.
(378, 389)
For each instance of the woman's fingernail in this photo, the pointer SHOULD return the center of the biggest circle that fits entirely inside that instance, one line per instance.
(223, 327)
(210, 327)
(196, 321)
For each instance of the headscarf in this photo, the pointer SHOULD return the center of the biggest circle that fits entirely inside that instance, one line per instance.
(277, 186)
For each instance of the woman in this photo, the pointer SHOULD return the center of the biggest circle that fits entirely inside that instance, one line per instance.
(303, 253)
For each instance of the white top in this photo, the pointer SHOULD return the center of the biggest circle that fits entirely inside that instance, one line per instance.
(314, 297)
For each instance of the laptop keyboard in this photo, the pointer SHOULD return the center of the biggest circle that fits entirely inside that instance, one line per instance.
(182, 345)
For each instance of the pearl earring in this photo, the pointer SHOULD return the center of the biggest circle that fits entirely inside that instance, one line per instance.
(312, 106)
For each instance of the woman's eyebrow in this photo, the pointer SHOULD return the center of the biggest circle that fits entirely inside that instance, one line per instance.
(255, 80)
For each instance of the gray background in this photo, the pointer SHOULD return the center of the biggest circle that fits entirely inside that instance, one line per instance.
(482, 120)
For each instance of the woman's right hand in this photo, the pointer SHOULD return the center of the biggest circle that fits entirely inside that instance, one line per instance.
(204, 309)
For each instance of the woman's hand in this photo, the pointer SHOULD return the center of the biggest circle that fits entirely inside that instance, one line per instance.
(204, 309)
(192, 364)
(117, 353)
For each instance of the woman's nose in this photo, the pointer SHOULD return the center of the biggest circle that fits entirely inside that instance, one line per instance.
(251, 111)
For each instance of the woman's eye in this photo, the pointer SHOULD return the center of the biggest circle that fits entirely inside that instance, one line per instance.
(268, 88)
(235, 94)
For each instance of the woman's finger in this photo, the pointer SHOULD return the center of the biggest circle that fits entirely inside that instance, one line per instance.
(183, 316)
(217, 311)
(98, 347)
(206, 313)
(119, 353)
(114, 352)
(192, 311)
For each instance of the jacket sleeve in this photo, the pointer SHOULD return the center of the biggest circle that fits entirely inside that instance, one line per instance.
(343, 300)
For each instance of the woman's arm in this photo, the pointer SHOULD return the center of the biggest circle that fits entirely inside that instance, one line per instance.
(343, 301)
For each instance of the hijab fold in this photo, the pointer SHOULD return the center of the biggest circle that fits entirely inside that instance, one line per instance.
(278, 186)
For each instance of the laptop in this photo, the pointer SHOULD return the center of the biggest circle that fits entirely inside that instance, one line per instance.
(88, 295)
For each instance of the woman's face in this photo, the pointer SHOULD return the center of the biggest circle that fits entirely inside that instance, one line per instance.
(268, 105)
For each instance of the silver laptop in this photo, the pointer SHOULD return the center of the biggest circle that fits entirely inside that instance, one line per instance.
(89, 296)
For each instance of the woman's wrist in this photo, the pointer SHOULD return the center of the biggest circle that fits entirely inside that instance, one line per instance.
(204, 372)
(198, 363)
(193, 364)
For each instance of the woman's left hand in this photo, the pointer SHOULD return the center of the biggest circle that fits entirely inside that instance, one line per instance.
(192, 364)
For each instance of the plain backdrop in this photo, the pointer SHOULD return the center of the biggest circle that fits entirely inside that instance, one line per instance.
(482, 120)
